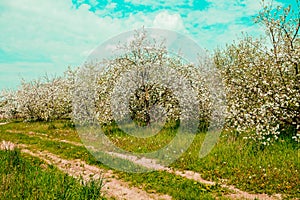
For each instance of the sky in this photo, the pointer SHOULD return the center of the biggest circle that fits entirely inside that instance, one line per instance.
(41, 37)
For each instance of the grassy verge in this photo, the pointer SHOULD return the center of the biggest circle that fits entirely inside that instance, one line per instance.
(25, 177)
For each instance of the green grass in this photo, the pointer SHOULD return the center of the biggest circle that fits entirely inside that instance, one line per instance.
(25, 177)
(186, 188)
(248, 166)
(139, 144)
(274, 169)
(59, 129)
(176, 186)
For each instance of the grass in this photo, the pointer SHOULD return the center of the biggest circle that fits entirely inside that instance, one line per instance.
(59, 129)
(270, 170)
(274, 169)
(139, 144)
(151, 181)
(176, 186)
(25, 177)
(256, 169)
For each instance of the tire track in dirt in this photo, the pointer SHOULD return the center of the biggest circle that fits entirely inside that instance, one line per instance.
(113, 187)
(152, 164)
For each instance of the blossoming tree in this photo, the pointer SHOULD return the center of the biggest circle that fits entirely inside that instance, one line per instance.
(263, 80)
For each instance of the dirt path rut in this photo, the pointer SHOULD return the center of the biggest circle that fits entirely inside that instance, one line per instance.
(113, 187)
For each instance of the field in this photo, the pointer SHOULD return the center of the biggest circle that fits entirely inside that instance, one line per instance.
(235, 169)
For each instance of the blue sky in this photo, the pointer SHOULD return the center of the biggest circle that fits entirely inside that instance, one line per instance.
(47, 36)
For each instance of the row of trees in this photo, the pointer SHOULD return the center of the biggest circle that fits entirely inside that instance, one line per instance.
(43, 99)
(261, 78)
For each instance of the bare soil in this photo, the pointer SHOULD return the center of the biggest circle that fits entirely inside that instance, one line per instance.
(113, 187)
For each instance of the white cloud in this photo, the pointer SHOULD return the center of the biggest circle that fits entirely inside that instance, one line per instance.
(111, 6)
(168, 21)
(55, 30)
(220, 11)
(93, 2)
(157, 3)
(221, 22)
